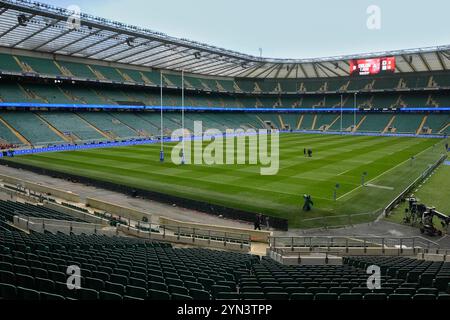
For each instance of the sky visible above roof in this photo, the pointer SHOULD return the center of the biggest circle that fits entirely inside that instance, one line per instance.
(286, 28)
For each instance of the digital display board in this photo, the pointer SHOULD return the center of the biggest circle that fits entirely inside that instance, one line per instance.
(364, 67)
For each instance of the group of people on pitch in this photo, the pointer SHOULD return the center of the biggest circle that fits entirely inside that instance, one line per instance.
(307, 152)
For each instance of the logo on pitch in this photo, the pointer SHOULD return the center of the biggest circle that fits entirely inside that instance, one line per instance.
(252, 147)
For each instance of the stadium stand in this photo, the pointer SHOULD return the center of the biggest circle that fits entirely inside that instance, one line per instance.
(32, 267)
(8, 209)
(31, 127)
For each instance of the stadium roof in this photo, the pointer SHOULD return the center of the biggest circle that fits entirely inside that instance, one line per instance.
(40, 27)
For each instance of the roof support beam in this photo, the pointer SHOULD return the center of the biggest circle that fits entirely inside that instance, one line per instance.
(425, 62)
(268, 71)
(167, 56)
(220, 70)
(13, 28)
(52, 39)
(303, 70)
(175, 62)
(291, 68)
(409, 64)
(136, 53)
(275, 66)
(314, 65)
(327, 68)
(441, 62)
(95, 43)
(281, 67)
(147, 55)
(107, 48)
(346, 72)
(118, 52)
(194, 62)
(35, 33)
(77, 40)
(248, 71)
(397, 67)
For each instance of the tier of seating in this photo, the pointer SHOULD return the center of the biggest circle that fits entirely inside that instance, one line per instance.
(94, 71)
(59, 94)
(33, 267)
(59, 127)
(31, 127)
(8, 209)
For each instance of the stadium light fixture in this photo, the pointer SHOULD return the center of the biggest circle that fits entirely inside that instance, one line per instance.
(130, 41)
(22, 20)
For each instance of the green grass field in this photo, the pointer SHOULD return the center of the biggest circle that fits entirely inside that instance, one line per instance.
(336, 159)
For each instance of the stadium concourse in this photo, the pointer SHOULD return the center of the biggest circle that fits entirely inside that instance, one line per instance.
(83, 187)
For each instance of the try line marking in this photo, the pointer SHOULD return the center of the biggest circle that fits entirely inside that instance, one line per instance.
(383, 173)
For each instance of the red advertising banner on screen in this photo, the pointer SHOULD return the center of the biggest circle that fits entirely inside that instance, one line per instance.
(372, 66)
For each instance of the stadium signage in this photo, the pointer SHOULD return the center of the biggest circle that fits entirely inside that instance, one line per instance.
(364, 67)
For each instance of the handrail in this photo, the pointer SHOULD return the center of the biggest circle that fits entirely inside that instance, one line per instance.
(310, 242)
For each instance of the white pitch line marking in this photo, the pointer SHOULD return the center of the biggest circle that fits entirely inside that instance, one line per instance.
(383, 173)
(340, 174)
(379, 187)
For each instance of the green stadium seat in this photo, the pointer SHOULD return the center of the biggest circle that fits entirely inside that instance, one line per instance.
(302, 296)
(423, 296)
(350, 296)
(443, 297)
(178, 296)
(45, 296)
(316, 290)
(114, 287)
(27, 294)
(405, 291)
(193, 285)
(253, 296)
(399, 297)
(227, 296)
(94, 283)
(136, 292)
(375, 296)
(8, 291)
(7, 277)
(158, 295)
(277, 296)
(157, 286)
(273, 289)
(326, 296)
(87, 294)
(105, 295)
(45, 285)
(339, 290)
(442, 282)
(426, 280)
(201, 294)
(178, 290)
(130, 298)
(25, 281)
(218, 288)
(428, 291)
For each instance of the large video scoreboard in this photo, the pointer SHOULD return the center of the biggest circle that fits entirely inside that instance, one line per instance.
(372, 66)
